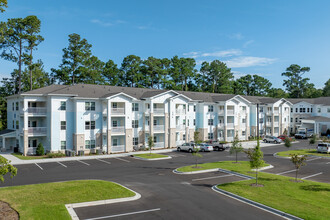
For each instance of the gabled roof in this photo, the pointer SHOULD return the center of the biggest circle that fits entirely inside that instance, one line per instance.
(6, 131)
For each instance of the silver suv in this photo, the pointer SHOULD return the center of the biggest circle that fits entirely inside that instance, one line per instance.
(269, 139)
(190, 147)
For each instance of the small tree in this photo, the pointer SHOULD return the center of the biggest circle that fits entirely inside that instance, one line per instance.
(196, 137)
(236, 147)
(6, 167)
(40, 149)
(287, 142)
(151, 142)
(312, 140)
(256, 159)
(197, 155)
(298, 161)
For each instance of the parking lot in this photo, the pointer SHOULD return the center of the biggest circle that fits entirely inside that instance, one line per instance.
(166, 195)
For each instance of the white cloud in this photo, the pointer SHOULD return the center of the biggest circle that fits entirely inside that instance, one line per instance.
(236, 36)
(247, 43)
(249, 61)
(106, 23)
(221, 53)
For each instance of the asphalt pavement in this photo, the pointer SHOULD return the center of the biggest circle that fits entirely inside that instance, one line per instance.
(166, 195)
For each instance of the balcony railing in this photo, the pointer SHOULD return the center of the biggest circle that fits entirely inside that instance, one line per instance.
(37, 111)
(221, 112)
(117, 111)
(159, 127)
(230, 112)
(269, 113)
(116, 130)
(180, 111)
(159, 110)
(37, 130)
(221, 125)
(268, 123)
(159, 145)
(276, 112)
(276, 123)
(230, 125)
(180, 127)
(118, 148)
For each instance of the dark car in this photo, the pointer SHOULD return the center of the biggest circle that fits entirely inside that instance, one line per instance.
(283, 137)
(216, 145)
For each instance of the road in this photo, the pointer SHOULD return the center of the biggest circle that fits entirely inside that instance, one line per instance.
(166, 195)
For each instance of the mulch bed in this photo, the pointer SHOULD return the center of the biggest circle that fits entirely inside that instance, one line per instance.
(7, 212)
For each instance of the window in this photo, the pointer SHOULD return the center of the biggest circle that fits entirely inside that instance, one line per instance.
(17, 106)
(296, 119)
(210, 108)
(13, 124)
(300, 110)
(184, 122)
(114, 124)
(210, 122)
(135, 140)
(32, 143)
(194, 108)
(291, 119)
(296, 109)
(148, 106)
(210, 136)
(243, 133)
(89, 125)
(311, 109)
(135, 123)
(261, 120)
(243, 120)
(63, 106)
(261, 109)
(114, 105)
(188, 122)
(319, 110)
(63, 125)
(328, 110)
(244, 108)
(135, 107)
(155, 122)
(194, 122)
(90, 144)
(115, 142)
(17, 124)
(291, 109)
(63, 145)
(155, 139)
(184, 137)
(307, 109)
(89, 106)
(13, 106)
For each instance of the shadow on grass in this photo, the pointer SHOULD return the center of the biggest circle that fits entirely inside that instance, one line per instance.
(315, 188)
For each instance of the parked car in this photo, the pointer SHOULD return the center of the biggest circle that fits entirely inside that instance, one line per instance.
(283, 137)
(205, 147)
(190, 147)
(323, 148)
(217, 146)
(269, 139)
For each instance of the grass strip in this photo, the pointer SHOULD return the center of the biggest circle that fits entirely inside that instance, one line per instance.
(302, 152)
(47, 200)
(20, 156)
(150, 156)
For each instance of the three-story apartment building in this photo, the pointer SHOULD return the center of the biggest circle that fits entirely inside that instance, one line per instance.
(85, 117)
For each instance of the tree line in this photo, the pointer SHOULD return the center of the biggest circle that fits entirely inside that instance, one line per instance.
(20, 37)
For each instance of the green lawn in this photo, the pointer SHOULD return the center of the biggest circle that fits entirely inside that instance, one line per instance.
(20, 156)
(47, 200)
(150, 156)
(302, 152)
(227, 165)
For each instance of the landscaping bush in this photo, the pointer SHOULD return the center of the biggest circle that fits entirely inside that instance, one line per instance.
(312, 140)
(56, 155)
(287, 142)
(40, 150)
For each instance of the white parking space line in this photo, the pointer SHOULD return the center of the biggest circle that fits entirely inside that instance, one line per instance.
(212, 177)
(122, 159)
(306, 177)
(62, 164)
(327, 163)
(285, 172)
(104, 161)
(177, 155)
(83, 162)
(128, 213)
(314, 159)
(38, 166)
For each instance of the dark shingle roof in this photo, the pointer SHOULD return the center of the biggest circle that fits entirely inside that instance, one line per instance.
(6, 131)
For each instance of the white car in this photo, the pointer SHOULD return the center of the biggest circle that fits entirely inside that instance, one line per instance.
(269, 139)
(190, 147)
(205, 147)
(323, 148)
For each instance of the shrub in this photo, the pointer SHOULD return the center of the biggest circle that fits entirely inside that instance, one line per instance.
(287, 142)
(56, 155)
(313, 139)
(40, 150)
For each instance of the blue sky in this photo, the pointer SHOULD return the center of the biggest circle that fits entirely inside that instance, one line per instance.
(252, 37)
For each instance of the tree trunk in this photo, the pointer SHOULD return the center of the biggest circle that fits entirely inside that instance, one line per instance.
(236, 157)
(257, 176)
(296, 175)
(20, 67)
(31, 69)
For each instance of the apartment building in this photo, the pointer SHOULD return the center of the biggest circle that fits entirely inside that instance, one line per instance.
(120, 119)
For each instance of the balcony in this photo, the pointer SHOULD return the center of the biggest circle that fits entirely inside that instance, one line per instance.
(37, 131)
(230, 112)
(276, 112)
(159, 111)
(118, 111)
(180, 111)
(159, 145)
(276, 124)
(221, 111)
(269, 113)
(159, 128)
(221, 125)
(268, 124)
(230, 125)
(36, 111)
(118, 148)
(118, 130)
(180, 127)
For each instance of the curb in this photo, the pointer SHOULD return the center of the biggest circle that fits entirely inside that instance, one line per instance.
(264, 168)
(236, 174)
(71, 207)
(308, 155)
(195, 172)
(151, 159)
(256, 204)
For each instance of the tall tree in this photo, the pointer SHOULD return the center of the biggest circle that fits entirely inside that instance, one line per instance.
(277, 93)
(202, 78)
(33, 39)
(221, 77)
(91, 71)
(182, 71)
(296, 85)
(151, 69)
(40, 78)
(253, 85)
(12, 42)
(3, 5)
(74, 58)
(131, 68)
(111, 74)
(326, 89)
